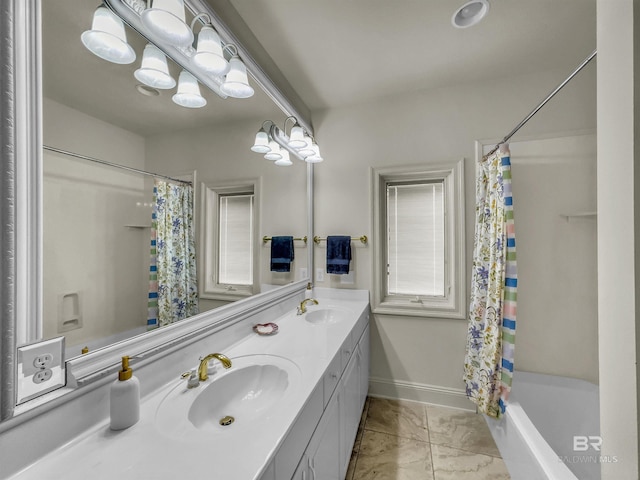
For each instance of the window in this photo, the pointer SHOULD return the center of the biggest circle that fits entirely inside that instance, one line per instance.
(235, 239)
(419, 241)
(228, 241)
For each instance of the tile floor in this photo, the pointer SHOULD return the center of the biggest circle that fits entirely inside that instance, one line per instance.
(402, 440)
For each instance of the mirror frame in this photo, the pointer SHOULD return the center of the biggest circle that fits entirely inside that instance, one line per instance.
(21, 234)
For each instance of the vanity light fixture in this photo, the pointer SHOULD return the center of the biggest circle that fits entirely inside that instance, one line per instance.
(213, 63)
(166, 19)
(276, 145)
(107, 38)
(188, 94)
(154, 70)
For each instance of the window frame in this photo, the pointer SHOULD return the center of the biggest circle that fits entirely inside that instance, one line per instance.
(209, 286)
(453, 303)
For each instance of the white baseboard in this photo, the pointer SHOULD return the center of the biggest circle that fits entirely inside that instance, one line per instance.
(419, 392)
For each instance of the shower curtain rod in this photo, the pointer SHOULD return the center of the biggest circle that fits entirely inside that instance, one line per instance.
(103, 162)
(541, 104)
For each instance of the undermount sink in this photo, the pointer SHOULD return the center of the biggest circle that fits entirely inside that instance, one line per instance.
(252, 391)
(326, 315)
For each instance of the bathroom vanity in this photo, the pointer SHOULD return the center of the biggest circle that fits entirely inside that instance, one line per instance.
(295, 399)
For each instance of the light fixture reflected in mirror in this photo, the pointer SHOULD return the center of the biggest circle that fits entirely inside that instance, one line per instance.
(285, 161)
(107, 38)
(300, 144)
(274, 151)
(188, 94)
(154, 70)
(166, 19)
(261, 143)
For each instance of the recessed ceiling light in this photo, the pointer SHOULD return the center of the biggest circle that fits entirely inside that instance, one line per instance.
(147, 90)
(470, 13)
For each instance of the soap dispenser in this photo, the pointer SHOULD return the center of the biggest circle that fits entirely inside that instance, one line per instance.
(308, 293)
(125, 398)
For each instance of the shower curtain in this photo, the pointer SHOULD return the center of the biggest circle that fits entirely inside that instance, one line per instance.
(488, 367)
(173, 290)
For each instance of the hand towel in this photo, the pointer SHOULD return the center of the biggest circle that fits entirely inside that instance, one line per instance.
(338, 254)
(281, 254)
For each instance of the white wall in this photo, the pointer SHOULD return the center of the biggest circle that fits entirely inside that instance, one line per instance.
(222, 154)
(422, 358)
(87, 248)
(557, 255)
(618, 240)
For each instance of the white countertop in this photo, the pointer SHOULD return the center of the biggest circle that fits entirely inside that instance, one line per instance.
(144, 452)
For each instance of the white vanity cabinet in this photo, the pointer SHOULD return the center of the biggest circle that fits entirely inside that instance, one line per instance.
(329, 449)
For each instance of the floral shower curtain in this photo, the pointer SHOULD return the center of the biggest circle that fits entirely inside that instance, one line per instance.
(173, 290)
(488, 368)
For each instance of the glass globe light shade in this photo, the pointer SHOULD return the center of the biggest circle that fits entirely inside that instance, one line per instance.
(285, 161)
(261, 143)
(274, 151)
(315, 158)
(307, 149)
(236, 84)
(107, 38)
(209, 56)
(188, 94)
(296, 140)
(166, 19)
(154, 71)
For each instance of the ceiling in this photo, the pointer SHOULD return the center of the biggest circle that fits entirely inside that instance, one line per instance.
(332, 52)
(338, 52)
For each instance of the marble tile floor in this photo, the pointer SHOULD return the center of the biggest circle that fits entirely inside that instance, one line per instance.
(402, 440)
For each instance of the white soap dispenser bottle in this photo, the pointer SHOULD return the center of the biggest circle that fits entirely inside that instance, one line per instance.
(308, 293)
(125, 398)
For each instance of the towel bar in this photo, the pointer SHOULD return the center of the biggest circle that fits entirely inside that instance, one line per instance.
(266, 239)
(363, 239)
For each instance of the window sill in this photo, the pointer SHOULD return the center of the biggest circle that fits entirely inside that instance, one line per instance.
(225, 295)
(418, 310)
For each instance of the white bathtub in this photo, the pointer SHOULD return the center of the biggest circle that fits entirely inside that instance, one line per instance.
(536, 436)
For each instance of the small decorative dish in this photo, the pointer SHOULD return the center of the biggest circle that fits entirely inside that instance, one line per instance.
(265, 328)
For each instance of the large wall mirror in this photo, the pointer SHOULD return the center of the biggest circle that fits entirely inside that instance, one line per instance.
(96, 218)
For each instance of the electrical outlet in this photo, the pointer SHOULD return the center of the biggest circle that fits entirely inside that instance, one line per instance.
(319, 275)
(38, 356)
(303, 273)
(43, 361)
(42, 376)
(40, 368)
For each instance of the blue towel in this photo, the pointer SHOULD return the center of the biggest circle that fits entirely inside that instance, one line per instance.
(281, 254)
(338, 254)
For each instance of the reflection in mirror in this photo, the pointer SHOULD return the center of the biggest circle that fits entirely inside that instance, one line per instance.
(97, 218)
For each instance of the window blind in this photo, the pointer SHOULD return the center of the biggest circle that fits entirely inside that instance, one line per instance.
(416, 239)
(235, 255)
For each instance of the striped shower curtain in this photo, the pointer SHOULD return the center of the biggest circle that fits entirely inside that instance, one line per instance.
(173, 289)
(488, 367)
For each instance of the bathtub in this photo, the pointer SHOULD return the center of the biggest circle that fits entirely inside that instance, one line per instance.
(536, 435)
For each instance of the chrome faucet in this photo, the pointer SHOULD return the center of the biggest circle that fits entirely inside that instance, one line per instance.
(203, 374)
(303, 305)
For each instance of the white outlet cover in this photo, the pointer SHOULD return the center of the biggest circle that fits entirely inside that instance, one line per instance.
(41, 368)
